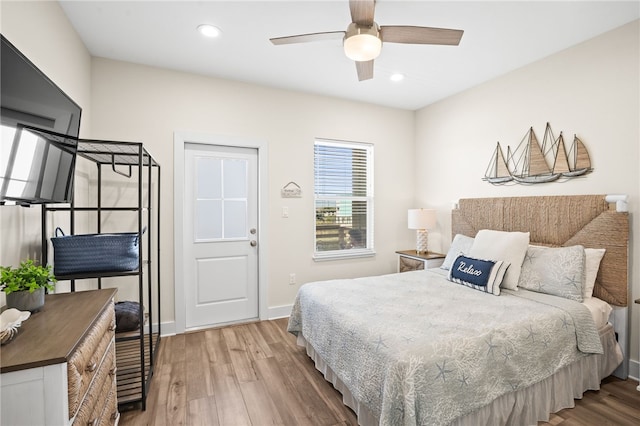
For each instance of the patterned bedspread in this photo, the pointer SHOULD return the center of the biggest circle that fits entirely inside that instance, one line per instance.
(417, 349)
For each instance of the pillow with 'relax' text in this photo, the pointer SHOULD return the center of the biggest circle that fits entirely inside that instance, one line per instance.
(479, 274)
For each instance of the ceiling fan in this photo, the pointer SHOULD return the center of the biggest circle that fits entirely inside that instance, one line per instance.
(363, 38)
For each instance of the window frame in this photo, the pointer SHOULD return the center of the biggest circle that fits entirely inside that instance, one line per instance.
(369, 250)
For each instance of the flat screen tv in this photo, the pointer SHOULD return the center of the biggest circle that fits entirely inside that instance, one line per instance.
(40, 128)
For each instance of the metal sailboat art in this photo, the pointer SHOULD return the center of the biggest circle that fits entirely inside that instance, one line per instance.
(498, 171)
(528, 163)
(577, 162)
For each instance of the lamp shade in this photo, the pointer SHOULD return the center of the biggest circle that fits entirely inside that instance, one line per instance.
(421, 218)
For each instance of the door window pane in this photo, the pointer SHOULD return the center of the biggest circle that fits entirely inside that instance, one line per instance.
(235, 219)
(221, 199)
(235, 179)
(208, 220)
(209, 175)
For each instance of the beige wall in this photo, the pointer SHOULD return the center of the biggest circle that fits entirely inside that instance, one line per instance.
(136, 103)
(41, 31)
(591, 89)
(133, 102)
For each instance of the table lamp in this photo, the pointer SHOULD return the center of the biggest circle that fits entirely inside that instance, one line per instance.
(421, 220)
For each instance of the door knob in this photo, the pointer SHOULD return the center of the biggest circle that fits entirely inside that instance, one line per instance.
(253, 243)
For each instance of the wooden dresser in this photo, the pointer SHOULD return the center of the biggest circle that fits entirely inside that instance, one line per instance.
(61, 367)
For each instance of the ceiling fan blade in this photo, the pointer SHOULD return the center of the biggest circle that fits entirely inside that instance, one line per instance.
(362, 11)
(420, 35)
(305, 38)
(365, 70)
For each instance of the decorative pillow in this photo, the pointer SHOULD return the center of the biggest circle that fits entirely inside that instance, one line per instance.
(510, 247)
(127, 316)
(556, 271)
(483, 275)
(592, 264)
(460, 244)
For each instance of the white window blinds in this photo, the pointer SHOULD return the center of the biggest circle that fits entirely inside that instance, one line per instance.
(343, 198)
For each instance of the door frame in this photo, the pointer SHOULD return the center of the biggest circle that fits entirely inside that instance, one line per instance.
(180, 139)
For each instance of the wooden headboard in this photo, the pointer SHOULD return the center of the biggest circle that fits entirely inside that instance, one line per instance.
(555, 221)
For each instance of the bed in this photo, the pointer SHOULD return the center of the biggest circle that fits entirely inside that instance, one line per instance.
(417, 348)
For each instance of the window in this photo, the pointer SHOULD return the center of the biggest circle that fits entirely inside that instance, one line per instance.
(343, 180)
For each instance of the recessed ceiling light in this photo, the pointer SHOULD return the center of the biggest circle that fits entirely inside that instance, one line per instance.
(209, 30)
(397, 77)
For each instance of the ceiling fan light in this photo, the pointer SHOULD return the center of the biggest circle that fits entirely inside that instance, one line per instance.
(362, 43)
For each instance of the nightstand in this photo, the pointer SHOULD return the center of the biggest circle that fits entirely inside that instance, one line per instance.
(411, 260)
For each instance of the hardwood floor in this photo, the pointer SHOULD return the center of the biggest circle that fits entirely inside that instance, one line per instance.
(617, 403)
(255, 374)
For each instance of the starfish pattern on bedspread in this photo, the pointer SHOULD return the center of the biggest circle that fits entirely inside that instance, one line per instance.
(411, 371)
(443, 371)
(490, 346)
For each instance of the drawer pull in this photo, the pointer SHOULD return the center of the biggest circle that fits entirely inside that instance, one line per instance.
(91, 367)
(113, 327)
(113, 371)
(92, 422)
(115, 416)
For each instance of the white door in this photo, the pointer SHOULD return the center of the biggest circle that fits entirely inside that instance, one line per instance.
(220, 234)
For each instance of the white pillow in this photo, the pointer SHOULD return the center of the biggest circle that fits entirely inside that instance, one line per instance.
(460, 244)
(592, 260)
(600, 310)
(510, 247)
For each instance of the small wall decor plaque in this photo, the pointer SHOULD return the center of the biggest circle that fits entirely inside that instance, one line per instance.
(291, 190)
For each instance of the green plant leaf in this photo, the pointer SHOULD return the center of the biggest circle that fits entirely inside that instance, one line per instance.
(28, 276)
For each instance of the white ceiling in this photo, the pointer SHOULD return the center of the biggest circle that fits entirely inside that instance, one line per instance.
(498, 37)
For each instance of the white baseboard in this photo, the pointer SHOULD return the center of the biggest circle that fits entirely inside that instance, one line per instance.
(276, 312)
(168, 328)
(634, 370)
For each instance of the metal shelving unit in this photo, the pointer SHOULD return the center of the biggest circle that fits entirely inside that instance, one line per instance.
(136, 351)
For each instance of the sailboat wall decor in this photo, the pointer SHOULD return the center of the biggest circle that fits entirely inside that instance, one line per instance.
(533, 163)
(498, 171)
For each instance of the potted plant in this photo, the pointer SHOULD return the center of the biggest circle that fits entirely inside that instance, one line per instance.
(25, 285)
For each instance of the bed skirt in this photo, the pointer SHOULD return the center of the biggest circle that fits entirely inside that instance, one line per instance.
(525, 406)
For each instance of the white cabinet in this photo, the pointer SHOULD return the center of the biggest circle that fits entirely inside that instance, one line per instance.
(60, 368)
(21, 404)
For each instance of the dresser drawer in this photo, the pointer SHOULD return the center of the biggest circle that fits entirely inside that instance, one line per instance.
(110, 415)
(411, 260)
(93, 405)
(409, 264)
(84, 363)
